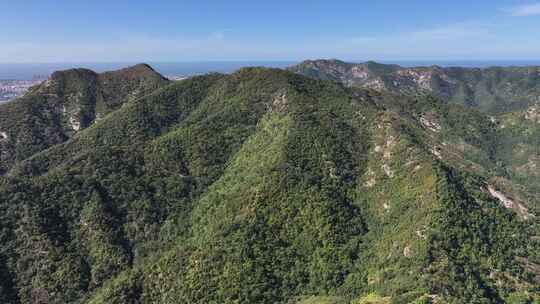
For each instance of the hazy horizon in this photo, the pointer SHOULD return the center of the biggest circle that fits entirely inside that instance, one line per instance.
(25, 71)
(247, 165)
(165, 31)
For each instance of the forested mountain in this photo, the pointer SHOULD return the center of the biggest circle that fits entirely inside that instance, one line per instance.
(66, 103)
(509, 95)
(263, 186)
(493, 90)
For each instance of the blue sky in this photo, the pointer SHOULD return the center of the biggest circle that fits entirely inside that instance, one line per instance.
(121, 30)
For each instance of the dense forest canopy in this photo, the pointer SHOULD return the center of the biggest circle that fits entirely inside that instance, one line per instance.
(264, 186)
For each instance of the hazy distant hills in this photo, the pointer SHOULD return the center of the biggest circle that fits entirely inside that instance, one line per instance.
(493, 90)
(266, 186)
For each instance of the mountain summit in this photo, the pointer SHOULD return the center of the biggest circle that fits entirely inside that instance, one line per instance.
(262, 186)
(493, 90)
(68, 102)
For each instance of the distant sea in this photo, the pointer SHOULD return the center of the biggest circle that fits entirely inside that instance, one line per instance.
(28, 71)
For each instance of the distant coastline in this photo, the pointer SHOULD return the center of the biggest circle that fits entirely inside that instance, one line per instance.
(29, 71)
(16, 78)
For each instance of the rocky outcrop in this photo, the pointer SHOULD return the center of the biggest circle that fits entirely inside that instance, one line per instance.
(493, 90)
(66, 103)
(509, 203)
(533, 113)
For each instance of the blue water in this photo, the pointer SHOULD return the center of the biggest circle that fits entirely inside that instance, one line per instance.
(27, 71)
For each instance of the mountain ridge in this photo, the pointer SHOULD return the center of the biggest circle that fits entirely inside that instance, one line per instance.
(492, 89)
(66, 103)
(265, 186)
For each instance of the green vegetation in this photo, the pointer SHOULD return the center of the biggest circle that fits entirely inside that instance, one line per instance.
(265, 186)
(492, 90)
(69, 101)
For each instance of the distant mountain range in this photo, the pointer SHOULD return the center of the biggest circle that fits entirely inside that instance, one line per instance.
(492, 90)
(362, 183)
(28, 71)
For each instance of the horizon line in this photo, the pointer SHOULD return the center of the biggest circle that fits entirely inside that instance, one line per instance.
(268, 61)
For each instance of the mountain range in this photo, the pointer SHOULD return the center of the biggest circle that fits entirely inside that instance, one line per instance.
(327, 182)
(491, 90)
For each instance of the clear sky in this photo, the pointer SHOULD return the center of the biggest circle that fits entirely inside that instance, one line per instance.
(204, 30)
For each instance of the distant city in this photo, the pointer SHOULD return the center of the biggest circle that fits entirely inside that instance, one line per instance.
(11, 89)
(16, 79)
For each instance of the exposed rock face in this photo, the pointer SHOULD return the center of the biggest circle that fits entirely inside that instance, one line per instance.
(492, 89)
(430, 124)
(533, 113)
(266, 177)
(509, 203)
(421, 78)
(435, 150)
(280, 102)
(387, 155)
(407, 251)
(421, 234)
(68, 102)
(75, 123)
(360, 72)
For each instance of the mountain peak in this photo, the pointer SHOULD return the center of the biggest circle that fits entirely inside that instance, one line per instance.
(67, 103)
(466, 86)
(81, 73)
(141, 70)
(246, 186)
(141, 67)
(322, 61)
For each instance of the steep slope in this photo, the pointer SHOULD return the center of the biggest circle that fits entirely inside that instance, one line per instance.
(261, 187)
(66, 103)
(519, 134)
(503, 145)
(493, 90)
